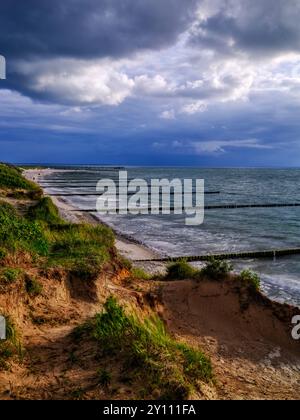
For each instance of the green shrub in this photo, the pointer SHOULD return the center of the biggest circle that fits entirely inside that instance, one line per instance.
(148, 351)
(181, 271)
(45, 211)
(10, 275)
(140, 274)
(32, 286)
(216, 269)
(17, 233)
(250, 279)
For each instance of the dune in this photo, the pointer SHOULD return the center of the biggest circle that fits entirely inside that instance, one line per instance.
(247, 336)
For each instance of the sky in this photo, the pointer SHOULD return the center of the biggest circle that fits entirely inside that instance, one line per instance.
(212, 83)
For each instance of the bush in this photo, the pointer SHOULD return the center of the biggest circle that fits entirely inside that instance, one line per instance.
(181, 271)
(17, 233)
(32, 286)
(10, 275)
(216, 269)
(250, 279)
(140, 274)
(153, 356)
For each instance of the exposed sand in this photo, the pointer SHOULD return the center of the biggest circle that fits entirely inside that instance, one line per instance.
(253, 353)
(128, 248)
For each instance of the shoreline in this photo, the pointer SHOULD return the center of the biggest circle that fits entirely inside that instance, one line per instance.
(127, 246)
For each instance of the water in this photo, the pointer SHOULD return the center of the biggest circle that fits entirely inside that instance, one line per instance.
(224, 230)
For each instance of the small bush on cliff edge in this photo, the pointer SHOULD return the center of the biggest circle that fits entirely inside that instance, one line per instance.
(181, 270)
(250, 279)
(216, 269)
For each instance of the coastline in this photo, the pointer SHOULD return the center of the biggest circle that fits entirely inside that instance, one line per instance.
(246, 336)
(127, 246)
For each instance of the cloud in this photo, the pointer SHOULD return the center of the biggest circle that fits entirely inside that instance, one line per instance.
(168, 115)
(261, 28)
(213, 147)
(194, 53)
(194, 108)
(221, 146)
(90, 29)
(147, 69)
(75, 82)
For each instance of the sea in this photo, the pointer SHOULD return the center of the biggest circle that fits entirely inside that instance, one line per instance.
(225, 230)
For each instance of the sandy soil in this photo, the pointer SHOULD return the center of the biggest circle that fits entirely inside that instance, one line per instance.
(253, 354)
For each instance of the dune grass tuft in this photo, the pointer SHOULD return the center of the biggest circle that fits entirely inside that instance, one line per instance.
(45, 211)
(11, 178)
(10, 275)
(149, 353)
(83, 249)
(181, 270)
(17, 233)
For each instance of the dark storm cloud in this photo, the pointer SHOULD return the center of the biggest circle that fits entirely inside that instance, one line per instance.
(260, 27)
(89, 28)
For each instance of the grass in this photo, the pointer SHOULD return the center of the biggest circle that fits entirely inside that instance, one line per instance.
(83, 249)
(17, 233)
(150, 355)
(214, 270)
(10, 275)
(181, 270)
(139, 273)
(11, 178)
(104, 377)
(45, 211)
(250, 279)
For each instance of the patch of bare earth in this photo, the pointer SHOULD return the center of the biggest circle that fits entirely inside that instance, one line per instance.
(253, 354)
(53, 365)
